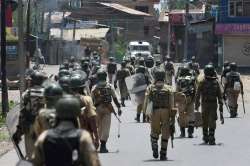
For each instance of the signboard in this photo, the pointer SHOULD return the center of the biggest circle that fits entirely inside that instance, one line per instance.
(221, 29)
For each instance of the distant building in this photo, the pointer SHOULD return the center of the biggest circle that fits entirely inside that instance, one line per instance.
(234, 28)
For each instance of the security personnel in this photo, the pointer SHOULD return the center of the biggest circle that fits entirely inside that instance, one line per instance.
(64, 82)
(88, 116)
(149, 62)
(209, 92)
(103, 94)
(46, 117)
(120, 78)
(65, 144)
(194, 66)
(186, 85)
(162, 116)
(140, 96)
(129, 66)
(233, 87)
(169, 69)
(226, 69)
(111, 69)
(33, 101)
(156, 67)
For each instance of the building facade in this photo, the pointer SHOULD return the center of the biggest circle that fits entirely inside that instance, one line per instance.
(234, 28)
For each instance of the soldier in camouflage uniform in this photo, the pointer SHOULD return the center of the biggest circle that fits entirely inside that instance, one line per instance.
(46, 117)
(186, 85)
(233, 87)
(194, 66)
(156, 67)
(103, 94)
(209, 92)
(226, 69)
(162, 116)
(88, 116)
(120, 78)
(65, 144)
(64, 82)
(140, 96)
(111, 69)
(130, 67)
(32, 102)
(169, 69)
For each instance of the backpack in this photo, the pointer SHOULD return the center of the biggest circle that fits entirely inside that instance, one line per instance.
(62, 147)
(234, 81)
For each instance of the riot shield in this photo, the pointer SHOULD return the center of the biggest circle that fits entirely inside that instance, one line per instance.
(136, 83)
(24, 163)
(12, 121)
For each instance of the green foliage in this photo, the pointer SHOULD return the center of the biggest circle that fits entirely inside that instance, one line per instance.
(120, 48)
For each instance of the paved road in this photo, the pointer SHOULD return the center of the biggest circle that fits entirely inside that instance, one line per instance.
(133, 147)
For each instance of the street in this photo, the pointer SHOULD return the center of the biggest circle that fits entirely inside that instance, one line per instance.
(133, 147)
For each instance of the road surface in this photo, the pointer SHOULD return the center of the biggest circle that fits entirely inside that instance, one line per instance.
(133, 147)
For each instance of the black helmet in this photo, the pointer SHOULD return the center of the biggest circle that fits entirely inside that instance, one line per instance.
(233, 66)
(142, 61)
(67, 108)
(168, 57)
(159, 75)
(85, 65)
(53, 90)
(209, 70)
(37, 78)
(184, 71)
(111, 59)
(101, 75)
(64, 82)
(123, 64)
(77, 81)
(64, 72)
(226, 63)
(150, 62)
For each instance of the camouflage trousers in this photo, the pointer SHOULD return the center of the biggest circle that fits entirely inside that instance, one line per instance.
(103, 122)
(160, 125)
(29, 142)
(209, 115)
(232, 97)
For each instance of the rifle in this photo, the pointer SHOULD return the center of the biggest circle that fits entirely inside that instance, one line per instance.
(243, 103)
(172, 131)
(116, 116)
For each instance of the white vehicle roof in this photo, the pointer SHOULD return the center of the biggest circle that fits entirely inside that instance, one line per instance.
(136, 43)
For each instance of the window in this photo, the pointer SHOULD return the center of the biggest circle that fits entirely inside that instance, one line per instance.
(142, 9)
(146, 30)
(239, 8)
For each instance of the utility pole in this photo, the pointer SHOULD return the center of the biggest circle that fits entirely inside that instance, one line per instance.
(5, 101)
(28, 36)
(169, 28)
(186, 30)
(21, 54)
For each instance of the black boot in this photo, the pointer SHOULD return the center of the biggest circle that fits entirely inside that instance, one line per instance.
(211, 137)
(163, 155)
(154, 144)
(103, 148)
(123, 102)
(138, 117)
(144, 118)
(182, 132)
(190, 131)
(205, 135)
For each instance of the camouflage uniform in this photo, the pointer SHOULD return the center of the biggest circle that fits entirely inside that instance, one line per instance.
(170, 72)
(233, 87)
(162, 117)
(65, 144)
(103, 94)
(210, 93)
(32, 103)
(187, 86)
(120, 77)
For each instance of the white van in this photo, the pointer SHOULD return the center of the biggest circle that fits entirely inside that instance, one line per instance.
(139, 48)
